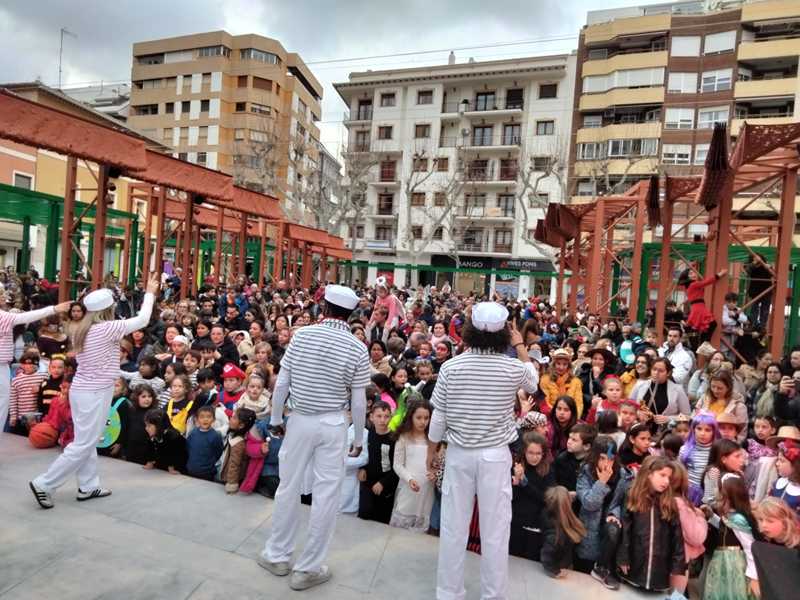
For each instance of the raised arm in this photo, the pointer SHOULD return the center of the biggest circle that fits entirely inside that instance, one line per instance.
(143, 318)
(41, 313)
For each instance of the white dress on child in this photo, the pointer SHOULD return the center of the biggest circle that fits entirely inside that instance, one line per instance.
(350, 483)
(412, 510)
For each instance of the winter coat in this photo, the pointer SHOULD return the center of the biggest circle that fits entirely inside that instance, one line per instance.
(169, 451)
(527, 506)
(677, 400)
(652, 548)
(591, 386)
(557, 549)
(253, 442)
(694, 529)
(598, 500)
(60, 418)
(552, 389)
(234, 463)
(261, 407)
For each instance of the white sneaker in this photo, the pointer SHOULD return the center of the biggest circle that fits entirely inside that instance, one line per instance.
(302, 580)
(44, 498)
(280, 569)
(95, 493)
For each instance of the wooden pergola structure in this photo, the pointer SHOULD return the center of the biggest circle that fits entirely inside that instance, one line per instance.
(190, 196)
(764, 161)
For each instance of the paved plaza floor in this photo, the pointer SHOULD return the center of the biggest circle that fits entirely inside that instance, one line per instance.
(169, 536)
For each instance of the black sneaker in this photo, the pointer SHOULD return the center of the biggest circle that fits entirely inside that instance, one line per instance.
(612, 581)
(599, 573)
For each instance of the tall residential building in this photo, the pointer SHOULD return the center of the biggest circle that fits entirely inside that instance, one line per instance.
(652, 81)
(110, 99)
(241, 104)
(451, 148)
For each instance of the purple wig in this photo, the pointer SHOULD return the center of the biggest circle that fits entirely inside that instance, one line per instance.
(704, 417)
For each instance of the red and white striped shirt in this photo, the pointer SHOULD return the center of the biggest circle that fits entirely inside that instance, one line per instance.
(9, 320)
(24, 393)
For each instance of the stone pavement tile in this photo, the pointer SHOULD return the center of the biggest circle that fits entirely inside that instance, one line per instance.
(24, 550)
(408, 566)
(250, 590)
(90, 569)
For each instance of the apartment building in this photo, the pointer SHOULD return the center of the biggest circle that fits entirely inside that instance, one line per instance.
(652, 81)
(239, 104)
(459, 140)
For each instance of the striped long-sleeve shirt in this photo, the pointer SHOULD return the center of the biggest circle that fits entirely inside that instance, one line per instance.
(474, 396)
(9, 320)
(25, 394)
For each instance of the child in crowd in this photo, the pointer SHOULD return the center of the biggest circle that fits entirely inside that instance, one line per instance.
(256, 397)
(726, 457)
(256, 447)
(412, 508)
(352, 466)
(167, 446)
(627, 414)
(23, 399)
(232, 390)
(652, 550)
(56, 426)
(729, 426)
(731, 574)
(426, 352)
(181, 405)
(384, 385)
(532, 477)
(568, 463)
(203, 445)
(608, 424)
(787, 487)
(170, 372)
(696, 451)
(146, 375)
(636, 447)
(116, 430)
(378, 480)
(261, 360)
(426, 380)
(682, 427)
(670, 446)
(757, 449)
(234, 457)
(694, 527)
(191, 362)
(611, 398)
(269, 479)
(561, 531)
(562, 418)
(137, 444)
(778, 523)
(51, 387)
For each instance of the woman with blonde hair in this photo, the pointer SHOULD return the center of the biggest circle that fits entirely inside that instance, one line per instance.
(96, 341)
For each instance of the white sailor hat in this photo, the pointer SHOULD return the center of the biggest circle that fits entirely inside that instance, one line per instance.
(98, 299)
(341, 295)
(489, 316)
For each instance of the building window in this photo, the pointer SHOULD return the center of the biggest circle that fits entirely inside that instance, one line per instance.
(598, 54)
(259, 83)
(241, 81)
(485, 101)
(511, 134)
(677, 154)
(259, 136)
(706, 117)
(548, 90)
(539, 200)
(591, 150)
(359, 232)
(204, 105)
(238, 134)
(592, 121)
(503, 240)
(385, 204)
(387, 170)
(632, 147)
(514, 99)
(700, 153)
(151, 59)
(362, 141)
(418, 199)
(183, 155)
(420, 165)
(364, 112)
(213, 51)
(185, 106)
(623, 78)
(482, 135)
(505, 202)
(146, 109)
(541, 163)
(241, 106)
(416, 232)
(720, 42)
(508, 169)
(169, 108)
(383, 232)
(474, 205)
(425, 97)
(388, 99)
(682, 83)
(585, 188)
(151, 84)
(259, 55)
(438, 233)
(545, 127)
(385, 132)
(202, 157)
(21, 180)
(422, 131)
(685, 45)
(716, 81)
(442, 164)
(166, 134)
(260, 109)
(679, 118)
(439, 199)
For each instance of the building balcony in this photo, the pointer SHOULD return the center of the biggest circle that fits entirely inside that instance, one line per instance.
(769, 49)
(379, 244)
(622, 97)
(482, 143)
(770, 11)
(620, 131)
(488, 176)
(501, 107)
(616, 166)
(473, 246)
(763, 88)
(626, 60)
(762, 119)
(486, 212)
(357, 117)
(604, 32)
(502, 248)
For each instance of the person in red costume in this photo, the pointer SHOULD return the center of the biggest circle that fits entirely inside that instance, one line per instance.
(385, 298)
(700, 318)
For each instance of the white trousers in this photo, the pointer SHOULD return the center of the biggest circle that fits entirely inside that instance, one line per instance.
(5, 394)
(485, 472)
(89, 414)
(315, 442)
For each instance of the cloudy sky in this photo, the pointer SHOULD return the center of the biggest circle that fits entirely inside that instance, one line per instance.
(320, 31)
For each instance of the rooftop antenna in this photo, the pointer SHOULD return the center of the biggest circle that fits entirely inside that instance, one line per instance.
(61, 51)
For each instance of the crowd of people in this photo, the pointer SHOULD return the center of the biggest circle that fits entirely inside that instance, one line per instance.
(635, 461)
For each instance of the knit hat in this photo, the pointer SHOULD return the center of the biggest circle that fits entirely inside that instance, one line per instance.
(231, 371)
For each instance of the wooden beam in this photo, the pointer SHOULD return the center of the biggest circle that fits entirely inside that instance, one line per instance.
(218, 245)
(67, 228)
(161, 211)
(188, 234)
(636, 261)
(596, 265)
(664, 268)
(782, 262)
(277, 259)
(100, 220)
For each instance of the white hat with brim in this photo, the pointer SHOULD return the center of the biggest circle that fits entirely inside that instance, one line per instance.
(489, 316)
(98, 300)
(341, 295)
(787, 432)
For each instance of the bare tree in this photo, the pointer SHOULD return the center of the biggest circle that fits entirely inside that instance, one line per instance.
(257, 156)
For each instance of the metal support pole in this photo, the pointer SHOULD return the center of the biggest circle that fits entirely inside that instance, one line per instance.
(130, 244)
(98, 256)
(615, 283)
(25, 252)
(595, 270)
(65, 271)
(308, 265)
(794, 318)
(664, 268)
(51, 243)
(717, 259)
(262, 253)
(643, 289)
(161, 210)
(782, 261)
(277, 259)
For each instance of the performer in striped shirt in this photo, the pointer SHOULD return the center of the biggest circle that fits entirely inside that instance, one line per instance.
(25, 391)
(8, 321)
(96, 342)
(473, 410)
(325, 369)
